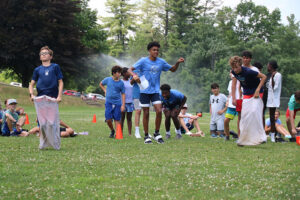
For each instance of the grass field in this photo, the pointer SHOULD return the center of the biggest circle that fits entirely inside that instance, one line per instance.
(97, 167)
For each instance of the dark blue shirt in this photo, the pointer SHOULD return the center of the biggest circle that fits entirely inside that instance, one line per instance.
(175, 98)
(46, 79)
(248, 79)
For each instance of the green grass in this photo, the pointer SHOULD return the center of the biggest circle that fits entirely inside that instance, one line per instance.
(97, 167)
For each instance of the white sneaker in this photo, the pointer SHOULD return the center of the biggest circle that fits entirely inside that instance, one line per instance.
(272, 135)
(188, 133)
(137, 135)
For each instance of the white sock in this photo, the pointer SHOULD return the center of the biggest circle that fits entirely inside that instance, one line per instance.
(168, 133)
(272, 135)
(178, 131)
(137, 129)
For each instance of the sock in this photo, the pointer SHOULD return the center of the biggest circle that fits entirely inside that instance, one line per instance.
(168, 133)
(156, 131)
(178, 131)
(146, 135)
(272, 135)
(137, 129)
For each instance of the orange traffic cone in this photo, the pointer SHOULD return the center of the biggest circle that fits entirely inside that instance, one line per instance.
(119, 134)
(94, 119)
(27, 119)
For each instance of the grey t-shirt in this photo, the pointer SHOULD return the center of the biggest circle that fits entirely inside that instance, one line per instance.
(217, 103)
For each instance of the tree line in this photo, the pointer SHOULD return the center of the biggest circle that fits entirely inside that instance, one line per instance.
(202, 31)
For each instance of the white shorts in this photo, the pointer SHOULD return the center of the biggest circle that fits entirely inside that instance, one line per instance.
(137, 104)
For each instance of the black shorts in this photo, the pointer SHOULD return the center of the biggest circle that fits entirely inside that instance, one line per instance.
(145, 99)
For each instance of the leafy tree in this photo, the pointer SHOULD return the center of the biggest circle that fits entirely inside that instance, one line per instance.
(26, 26)
(119, 24)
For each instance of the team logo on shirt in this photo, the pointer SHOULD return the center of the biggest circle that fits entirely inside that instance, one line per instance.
(47, 72)
(215, 100)
(154, 69)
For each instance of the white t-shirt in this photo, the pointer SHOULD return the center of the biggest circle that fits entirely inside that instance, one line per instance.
(186, 119)
(274, 93)
(237, 93)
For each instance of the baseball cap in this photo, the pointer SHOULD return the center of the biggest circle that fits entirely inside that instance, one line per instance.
(11, 101)
(185, 106)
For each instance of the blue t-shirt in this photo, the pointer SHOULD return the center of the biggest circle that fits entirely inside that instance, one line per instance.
(46, 79)
(114, 90)
(248, 79)
(175, 98)
(268, 122)
(136, 91)
(151, 70)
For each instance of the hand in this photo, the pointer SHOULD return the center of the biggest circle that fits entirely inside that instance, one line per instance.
(180, 60)
(122, 108)
(58, 99)
(256, 94)
(234, 102)
(220, 112)
(294, 131)
(32, 97)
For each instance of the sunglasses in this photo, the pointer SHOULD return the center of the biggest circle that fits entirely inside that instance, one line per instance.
(44, 53)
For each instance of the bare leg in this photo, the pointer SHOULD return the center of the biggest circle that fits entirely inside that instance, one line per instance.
(238, 123)
(129, 121)
(167, 120)
(158, 117)
(174, 115)
(146, 119)
(289, 125)
(226, 126)
(122, 119)
(110, 125)
(281, 130)
(272, 119)
(183, 125)
(137, 118)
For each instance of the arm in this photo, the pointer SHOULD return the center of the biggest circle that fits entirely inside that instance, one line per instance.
(210, 109)
(123, 102)
(261, 83)
(63, 124)
(267, 129)
(220, 112)
(233, 89)
(103, 88)
(31, 85)
(277, 80)
(10, 117)
(175, 67)
(134, 76)
(182, 103)
(60, 89)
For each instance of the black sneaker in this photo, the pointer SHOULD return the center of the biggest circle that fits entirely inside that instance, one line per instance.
(74, 134)
(292, 139)
(226, 138)
(147, 140)
(281, 140)
(112, 134)
(158, 138)
(234, 135)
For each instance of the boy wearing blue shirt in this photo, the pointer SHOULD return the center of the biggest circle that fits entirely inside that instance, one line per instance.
(172, 102)
(150, 68)
(47, 77)
(114, 98)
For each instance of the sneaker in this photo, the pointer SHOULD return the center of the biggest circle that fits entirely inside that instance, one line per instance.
(292, 139)
(288, 136)
(158, 138)
(147, 140)
(150, 135)
(137, 135)
(168, 136)
(74, 134)
(213, 135)
(222, 136)
(178, 136)
(281, 140)
(234, 135)
(112, 134)
(226, 138)
(189, 133)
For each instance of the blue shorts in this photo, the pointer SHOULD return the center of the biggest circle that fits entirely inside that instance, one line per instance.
(170, 107)
(112, 111)
(129, 107)
(231, 113)
(6, 132)
(145, 99)
(188, 125)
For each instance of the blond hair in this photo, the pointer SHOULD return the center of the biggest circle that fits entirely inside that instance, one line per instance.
(48, 49)
(233, 61)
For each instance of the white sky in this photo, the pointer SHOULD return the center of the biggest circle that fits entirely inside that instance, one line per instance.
(286, 7)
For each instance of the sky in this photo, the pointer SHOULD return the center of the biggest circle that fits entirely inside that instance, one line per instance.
(286, 7)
